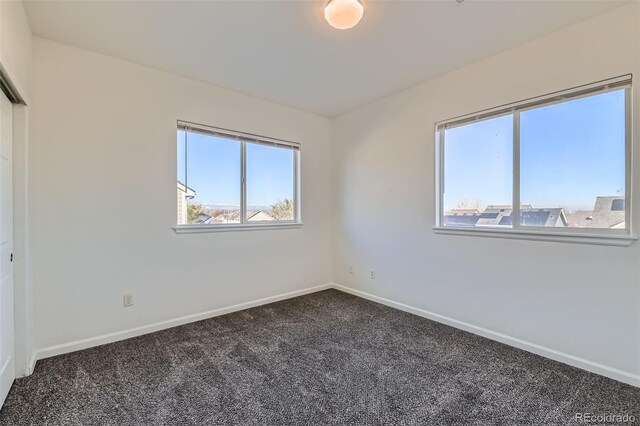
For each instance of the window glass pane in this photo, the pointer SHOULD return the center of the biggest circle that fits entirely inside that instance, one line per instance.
(478, 174)
(270, 183)
(572, 163)
(210, 191)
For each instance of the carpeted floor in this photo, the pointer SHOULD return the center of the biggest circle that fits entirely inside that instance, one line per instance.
(326, 358)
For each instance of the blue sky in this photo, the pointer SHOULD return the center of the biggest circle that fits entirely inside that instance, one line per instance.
(213, 166)
(570, 153)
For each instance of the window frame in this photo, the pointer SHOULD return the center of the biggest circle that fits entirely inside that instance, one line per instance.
(604, 236)
(243, 139)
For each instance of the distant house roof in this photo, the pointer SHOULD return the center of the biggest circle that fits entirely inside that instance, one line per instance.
(464, 211)
(500, 216)
(461, 219)
(259, 215)
(543, 217)
(234, 215)
(580, 218)
(203, 219)
(609, 212)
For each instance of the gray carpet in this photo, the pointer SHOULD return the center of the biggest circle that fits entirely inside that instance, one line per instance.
(323, 359)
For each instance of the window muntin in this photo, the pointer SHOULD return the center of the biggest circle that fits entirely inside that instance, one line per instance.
(569, 148)
(229, 178)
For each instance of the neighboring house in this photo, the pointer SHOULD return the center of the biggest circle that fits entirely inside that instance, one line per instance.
(258, 216)
(464, 211)
(461, 220)
(580, 218)
(234, 216)
(497, 216)
(203, 219)
(184, 194)
(228, 217)
(609, 212)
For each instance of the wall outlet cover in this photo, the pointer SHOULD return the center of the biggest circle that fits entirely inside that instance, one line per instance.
(127, 300)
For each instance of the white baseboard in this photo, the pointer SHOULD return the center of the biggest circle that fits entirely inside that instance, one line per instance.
(27, 369)
(162, 325)
(32, 364)
(594, 367)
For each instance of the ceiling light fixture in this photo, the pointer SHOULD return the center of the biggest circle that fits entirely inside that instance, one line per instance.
(343, 14)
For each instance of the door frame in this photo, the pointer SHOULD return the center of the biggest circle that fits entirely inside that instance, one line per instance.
(24, 352)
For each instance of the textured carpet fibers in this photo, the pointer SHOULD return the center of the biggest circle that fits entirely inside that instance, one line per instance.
(328, 358)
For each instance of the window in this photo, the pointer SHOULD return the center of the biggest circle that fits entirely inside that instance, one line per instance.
(554, 164)
(229, 179)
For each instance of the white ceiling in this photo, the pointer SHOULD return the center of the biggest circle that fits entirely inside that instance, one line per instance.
(285, 52)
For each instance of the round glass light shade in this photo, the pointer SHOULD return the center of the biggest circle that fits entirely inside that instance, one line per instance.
(343, 14)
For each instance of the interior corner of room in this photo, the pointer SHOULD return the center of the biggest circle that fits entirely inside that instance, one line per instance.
(381, 207)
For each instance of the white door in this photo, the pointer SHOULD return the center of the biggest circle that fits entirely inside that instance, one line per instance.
(7, 360)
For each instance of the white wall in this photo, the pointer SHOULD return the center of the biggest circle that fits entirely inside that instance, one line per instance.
(16, 61)
(579, 303)
(16, 56)
(103, 177)
(104, 181)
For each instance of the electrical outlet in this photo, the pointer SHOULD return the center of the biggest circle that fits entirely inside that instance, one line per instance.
(350, 267)
(127, 300)
(372, 274)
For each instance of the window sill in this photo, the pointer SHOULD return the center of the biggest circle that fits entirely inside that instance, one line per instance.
(196, 229)
(575, 238)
